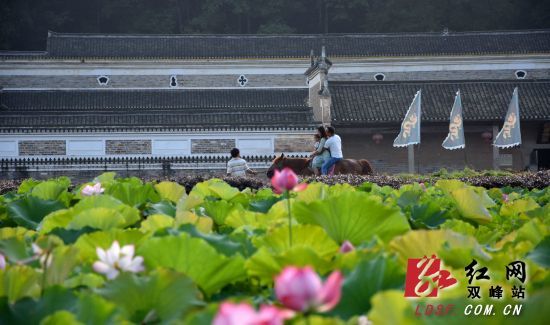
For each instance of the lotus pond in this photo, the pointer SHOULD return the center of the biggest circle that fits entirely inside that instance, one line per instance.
(122, 251)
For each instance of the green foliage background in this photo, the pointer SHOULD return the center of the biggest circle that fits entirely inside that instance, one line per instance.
(24, 23)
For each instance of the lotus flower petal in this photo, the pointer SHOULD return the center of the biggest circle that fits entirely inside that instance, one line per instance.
(331, 292)
(297, 288)
(235, 314)
(346, 247)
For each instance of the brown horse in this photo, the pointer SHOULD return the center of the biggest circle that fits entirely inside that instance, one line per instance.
(301, 166)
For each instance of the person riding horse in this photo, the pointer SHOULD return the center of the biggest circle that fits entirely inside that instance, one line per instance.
(334, 146)
(321, 154)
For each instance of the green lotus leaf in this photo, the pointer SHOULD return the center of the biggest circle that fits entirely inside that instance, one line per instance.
(162, 207)
(449, 185)
(88, 308)
(204, 316)
(63, 261)
(56, 219)
(30, 210)
(518, 206)
(88, 243)
(470, 205)
(186, 203)
(32, 311)
(219, 210)
(312, 236)
(541, 253)
(265, 265)
(104, 178)
(224, 244)
(156, 222)
(408, 198)
(204, 224)
(428, 215)
(223, 190)
(81, 215)
(90, 280)
(353, 216)
(240, 218)
(27, 185)
(133, 193)
(71, 236)
(19, 281)
(94, 309)
(99, 218)
(390, 307)
(85, 307)
(61, 317)
(313, 192)
(459, 226)
(195, 258)
(163, 295)
(53, 191)
(14, 248)
(170, 191)
(368, 278)
(455, 249)
(9, 232)
(532, 231)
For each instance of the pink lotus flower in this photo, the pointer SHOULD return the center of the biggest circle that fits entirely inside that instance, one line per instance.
(505, 198)
(115, 259)
(301, 289)
(347, 247)
(286, 180)
(2, 261)
(90, 190)
(244, 314)
(422, 186)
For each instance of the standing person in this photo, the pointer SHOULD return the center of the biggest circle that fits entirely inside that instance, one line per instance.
(237, 166)
(321, 154)
(334, 145)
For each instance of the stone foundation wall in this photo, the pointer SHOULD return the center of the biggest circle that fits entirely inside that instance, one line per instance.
(294, 143)
(42, 147)
(128, 147)
(209, 146)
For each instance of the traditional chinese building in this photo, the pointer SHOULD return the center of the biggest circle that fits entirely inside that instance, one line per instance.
(183, 101)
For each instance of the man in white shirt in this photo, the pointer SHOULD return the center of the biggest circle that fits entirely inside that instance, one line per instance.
(334, 146)
(237, 166)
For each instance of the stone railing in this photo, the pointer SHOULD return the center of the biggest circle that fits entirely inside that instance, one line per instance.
(128, 163)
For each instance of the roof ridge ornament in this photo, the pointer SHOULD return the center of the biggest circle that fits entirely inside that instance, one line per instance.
(324, 88)
(324, 63)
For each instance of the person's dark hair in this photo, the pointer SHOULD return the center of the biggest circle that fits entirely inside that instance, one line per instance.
(235, 152)
(322, 131)
(317, 136)
(331, 130)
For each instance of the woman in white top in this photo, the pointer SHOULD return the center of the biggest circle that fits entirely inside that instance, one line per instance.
(320, 155)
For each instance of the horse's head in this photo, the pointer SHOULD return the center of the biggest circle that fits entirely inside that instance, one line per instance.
(277, 164)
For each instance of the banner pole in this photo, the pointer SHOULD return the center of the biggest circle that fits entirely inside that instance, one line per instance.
(496, 152)
(410, 152)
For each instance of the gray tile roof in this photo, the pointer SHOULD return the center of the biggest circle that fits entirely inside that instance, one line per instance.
(61, 45)
(146, 109)
(360, 103)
